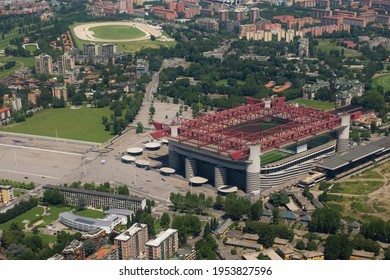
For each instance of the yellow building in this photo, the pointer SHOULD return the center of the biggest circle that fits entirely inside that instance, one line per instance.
(6, 194)
(314, 256)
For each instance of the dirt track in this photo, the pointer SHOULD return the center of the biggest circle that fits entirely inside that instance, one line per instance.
(82, 31)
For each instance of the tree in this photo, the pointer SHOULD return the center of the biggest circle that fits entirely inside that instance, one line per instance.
(325, 220)
(337, 247)
(219, 201)
(186, 226)
(123, 190)
(278, 199)
(256, 210)
(373, 127)
(365, 134)
(140, 128)
(323, 197)
(152, 37)
(206, 248)
(311, 246)
(89, 247)
(165, 221)
(276, 215)
(355, 136)
(261, 256)
(307, 193)
(214, 224)
(54, 197)
(361, 243)
(387, 253)
(300, 245)
(235, 206)
(266, 237)
(233, 251)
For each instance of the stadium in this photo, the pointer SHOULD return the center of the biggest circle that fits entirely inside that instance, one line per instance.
(257, 146)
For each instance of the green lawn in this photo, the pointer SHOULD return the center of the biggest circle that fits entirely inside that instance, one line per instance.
(271, 157)
(326, 45)
(382, 80)
(335, 206)
(79, 124)
(20, 62)
(46, 238)
(54, 214)
(359, 188)
(316, 104)
(116, 32)
(124, 46)
(90, 213)
(31, 48)
(361, 207)
(157, 227)
(369, 174)
(30, 215)
(18, 193)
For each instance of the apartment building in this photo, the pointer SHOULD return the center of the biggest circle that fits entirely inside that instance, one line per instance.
(164, 246)
(43, 64)
(131, 243)
(6, 194)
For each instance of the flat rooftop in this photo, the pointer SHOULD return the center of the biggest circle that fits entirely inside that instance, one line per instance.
(161, 237)
(336, 162)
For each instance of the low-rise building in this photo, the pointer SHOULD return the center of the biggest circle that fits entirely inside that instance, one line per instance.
(223, 227)
(244, 244)
(186, 254)
(361, 255)
(107, 252)
(99, 199)
(74, 251)
(314, 255)
(142, 66)
(5, 114)
(88, 224)
(95, 236)
(56, 257)
(285, 252)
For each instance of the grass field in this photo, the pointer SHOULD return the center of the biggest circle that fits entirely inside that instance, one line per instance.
(369, 174)
(358, 188)
(90, 213)
(271, 157)
(326, 45)
(382, 80)
(124, 46)
(316, 104)
(20, 62)
(80, 124)
(46, 238)
(31, 48)
(54, 214)
(30, 215)
(116, 32)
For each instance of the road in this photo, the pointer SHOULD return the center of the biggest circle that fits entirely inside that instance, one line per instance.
(37, 191)
(151, 88)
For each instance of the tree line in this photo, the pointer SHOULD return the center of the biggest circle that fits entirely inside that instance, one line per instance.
(18, 209)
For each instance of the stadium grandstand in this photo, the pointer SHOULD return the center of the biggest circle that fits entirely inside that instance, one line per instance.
(256, 146)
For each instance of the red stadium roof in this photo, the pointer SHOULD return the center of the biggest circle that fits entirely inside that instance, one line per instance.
(220, 132)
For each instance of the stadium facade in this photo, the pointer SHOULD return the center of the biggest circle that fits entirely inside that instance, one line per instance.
(256, 146)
